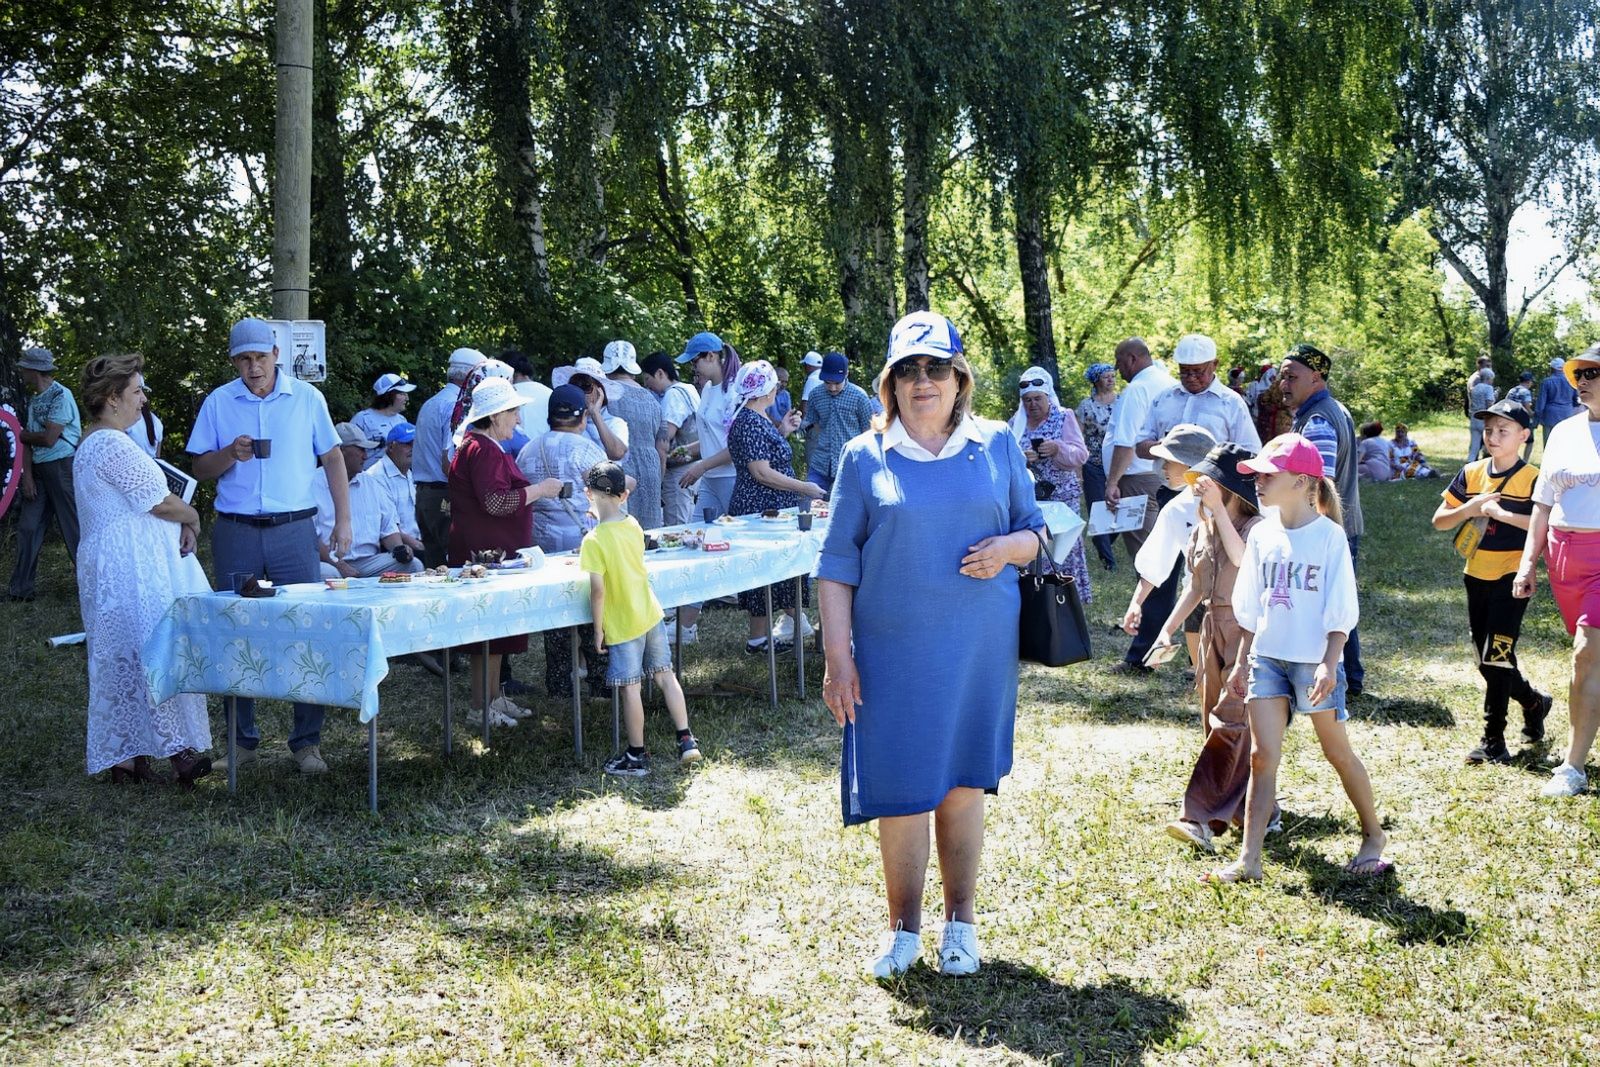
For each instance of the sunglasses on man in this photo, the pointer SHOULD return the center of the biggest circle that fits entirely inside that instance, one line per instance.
(936, 370)
(1586, 374)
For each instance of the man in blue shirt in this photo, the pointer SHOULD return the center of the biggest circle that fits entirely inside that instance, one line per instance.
(261, 437)
(430, 468)
(837, 412)
(51, 433)
(1557, 399)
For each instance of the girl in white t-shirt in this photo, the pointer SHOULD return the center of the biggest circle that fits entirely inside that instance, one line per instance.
(1295, 603)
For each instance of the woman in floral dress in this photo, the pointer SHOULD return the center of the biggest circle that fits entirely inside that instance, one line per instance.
(1054, 448)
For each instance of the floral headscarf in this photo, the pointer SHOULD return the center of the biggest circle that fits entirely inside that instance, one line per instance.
(756, 378)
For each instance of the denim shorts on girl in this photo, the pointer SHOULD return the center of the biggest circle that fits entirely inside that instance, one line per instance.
(646, 656)
(1271, 678)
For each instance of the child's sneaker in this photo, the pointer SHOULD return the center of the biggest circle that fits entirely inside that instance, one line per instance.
(958, 949)
(1490, 750)
(900, 950)
(509, 708)
(689, 750)
(627, 765)
(1533, 719)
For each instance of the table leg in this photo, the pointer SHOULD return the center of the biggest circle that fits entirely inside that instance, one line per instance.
(577, 699)
(233, 760)
(772, 654)
(799, 642)
(616, 719)
(447, 731)
(372, 765)
(484, 664)
(677, 643)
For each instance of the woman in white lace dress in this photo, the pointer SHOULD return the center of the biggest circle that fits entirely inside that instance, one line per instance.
(136, 556)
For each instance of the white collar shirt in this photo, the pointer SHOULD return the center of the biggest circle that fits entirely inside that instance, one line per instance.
(401, 490)
(1129, 413)
(895, 437)
(1218, 410)
(372, 515)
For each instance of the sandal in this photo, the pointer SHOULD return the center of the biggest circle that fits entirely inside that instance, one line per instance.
(140, 774)
(189, 765)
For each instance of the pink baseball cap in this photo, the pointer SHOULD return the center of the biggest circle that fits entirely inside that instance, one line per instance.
(1289, 453)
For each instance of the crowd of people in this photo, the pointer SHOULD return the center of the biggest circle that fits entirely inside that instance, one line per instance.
(1248, 546)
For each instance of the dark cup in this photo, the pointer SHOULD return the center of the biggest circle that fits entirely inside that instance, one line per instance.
(262, 447)
(240, 579)
(805, 520)
(710, 514)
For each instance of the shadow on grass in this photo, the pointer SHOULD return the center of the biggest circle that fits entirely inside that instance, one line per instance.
(1401, 711)
(1378, 899)
(1024, 1010)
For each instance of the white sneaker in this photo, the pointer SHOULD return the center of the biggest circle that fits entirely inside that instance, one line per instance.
(958, 949)
(691, 634)
(783, 627)
(806, 629)
(509, 708)
(1565, 781)
(1276, 825)
(900, 950)
(498, 717)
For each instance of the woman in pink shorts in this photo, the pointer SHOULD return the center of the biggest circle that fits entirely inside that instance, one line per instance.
(1566, 531)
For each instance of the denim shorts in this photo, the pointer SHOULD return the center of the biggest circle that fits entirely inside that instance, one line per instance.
(1271, 678)
(632, 661)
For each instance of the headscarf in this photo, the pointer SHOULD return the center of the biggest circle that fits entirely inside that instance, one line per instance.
(1092, 375)
(489, 368)
(1045, 384)
(756, 378)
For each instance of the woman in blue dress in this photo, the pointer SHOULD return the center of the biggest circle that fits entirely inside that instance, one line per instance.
(764, 480)
(931, 513)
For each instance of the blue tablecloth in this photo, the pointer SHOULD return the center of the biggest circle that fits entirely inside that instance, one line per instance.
(323, 646)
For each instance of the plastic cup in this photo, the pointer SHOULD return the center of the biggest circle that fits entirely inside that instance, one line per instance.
(239, 580)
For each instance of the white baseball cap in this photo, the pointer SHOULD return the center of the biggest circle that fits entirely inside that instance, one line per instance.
(466, 358)
(1194, 349)
(812, 359)
(389, 383)
(923, 333)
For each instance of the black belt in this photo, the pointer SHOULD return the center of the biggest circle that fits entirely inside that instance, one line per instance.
(282, 518)
(441, 485)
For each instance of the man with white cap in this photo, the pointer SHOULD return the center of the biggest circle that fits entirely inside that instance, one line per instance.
(1199, 399)
(261, 436)
(376, 543)
(429, 467)
(390, 393)
(51, 432)
(1557, 400)
(639, 409)
(813, 365)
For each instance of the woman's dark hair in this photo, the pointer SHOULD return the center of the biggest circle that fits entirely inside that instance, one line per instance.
(481, 424)
(149, 423)
(1372, 429)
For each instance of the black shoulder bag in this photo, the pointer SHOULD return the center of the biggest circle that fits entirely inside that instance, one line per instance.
(1052, 627)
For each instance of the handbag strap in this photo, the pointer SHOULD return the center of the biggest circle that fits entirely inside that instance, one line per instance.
(1042, 562)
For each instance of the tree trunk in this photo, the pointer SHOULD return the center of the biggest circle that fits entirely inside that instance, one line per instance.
(605, 124)
(1497, 234)
(1032, 210)
(508, 70)
(916, 195)
(669, 187)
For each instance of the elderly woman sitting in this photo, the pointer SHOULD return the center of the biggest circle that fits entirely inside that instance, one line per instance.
(1055, 450)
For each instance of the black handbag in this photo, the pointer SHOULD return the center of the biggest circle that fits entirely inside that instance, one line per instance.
(1052, 627)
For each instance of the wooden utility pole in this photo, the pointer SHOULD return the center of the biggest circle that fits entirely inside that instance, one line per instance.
(291, 185)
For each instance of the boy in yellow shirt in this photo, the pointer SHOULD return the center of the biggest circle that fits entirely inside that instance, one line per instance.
(628, 618)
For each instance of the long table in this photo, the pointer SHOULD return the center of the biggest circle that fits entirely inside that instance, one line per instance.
(322, 646)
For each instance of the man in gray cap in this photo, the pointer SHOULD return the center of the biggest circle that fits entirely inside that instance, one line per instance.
(51, 433)
(261, 437)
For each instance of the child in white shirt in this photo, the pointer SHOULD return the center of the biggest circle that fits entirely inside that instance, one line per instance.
(1295, 601)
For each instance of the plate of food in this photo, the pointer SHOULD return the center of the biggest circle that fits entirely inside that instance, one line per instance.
(774, 515)
(672, 541)
(473, 572)
(394, 578)
(726, 520)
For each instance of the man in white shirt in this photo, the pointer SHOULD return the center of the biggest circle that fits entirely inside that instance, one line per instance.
(678, 403)
(1199, 399)
(393, 473)
(1127, 473)
(376, 544)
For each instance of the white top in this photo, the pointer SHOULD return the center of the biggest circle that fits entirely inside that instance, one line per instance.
(428, 463)
(376, 426)
(813, 380)
(1295, 587)
(372, 514)
(401, 491)
(142, 439)
(535, 417)
(1168, 538)
(969, 431)
(678, 404)
(1218, 410)
(1128, 414)
(614, 424)
(1569, 474)
(716, 405)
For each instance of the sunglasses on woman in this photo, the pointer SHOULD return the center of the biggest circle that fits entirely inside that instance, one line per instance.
(1033, 383)
(937, 370)
(1586, 374)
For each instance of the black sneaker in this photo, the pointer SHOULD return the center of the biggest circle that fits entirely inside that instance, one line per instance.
(1533, 719)
(758, 647)
(689, 750)
(1490, 750)
(625, 765)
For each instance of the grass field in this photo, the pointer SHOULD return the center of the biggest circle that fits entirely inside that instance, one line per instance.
(509, 906)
